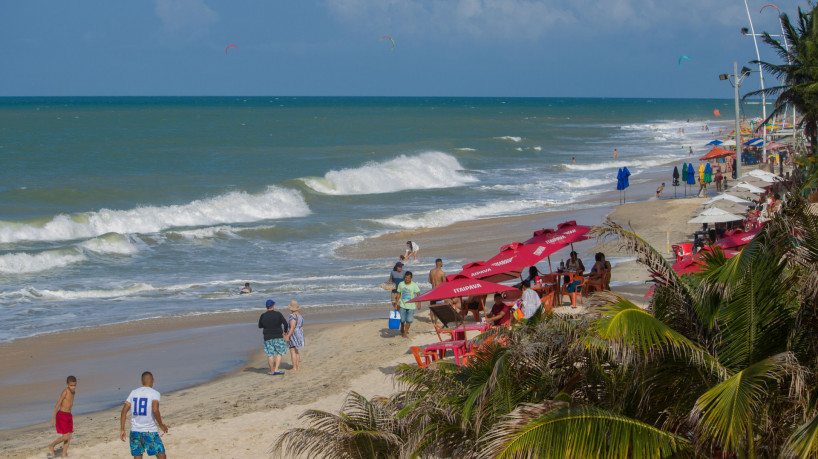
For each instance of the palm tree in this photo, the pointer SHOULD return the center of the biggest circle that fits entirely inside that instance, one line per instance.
(799, 72)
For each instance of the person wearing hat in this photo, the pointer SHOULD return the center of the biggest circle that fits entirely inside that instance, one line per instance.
(274, 327)
(396, 277)
(295, 336)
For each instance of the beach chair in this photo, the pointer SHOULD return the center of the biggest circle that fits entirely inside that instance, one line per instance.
(446, 314)
(423, 358)
(573, 295)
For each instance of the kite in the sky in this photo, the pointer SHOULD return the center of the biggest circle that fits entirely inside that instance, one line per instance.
(770, 4)
(228, 47)
(716, 112)
(390, 39)
(681, 59)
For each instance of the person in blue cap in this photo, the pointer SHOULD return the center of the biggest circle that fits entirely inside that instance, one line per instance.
(274, 326)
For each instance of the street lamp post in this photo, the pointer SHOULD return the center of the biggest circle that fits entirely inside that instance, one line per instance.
(761, 78)
(735, 80)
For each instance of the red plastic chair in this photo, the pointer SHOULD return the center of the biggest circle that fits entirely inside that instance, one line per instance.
(684, 251)
(576, 293)
(443, 331)
(422, 357)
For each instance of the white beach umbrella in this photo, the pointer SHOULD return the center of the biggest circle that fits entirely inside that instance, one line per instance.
(715, 215)
(729, 206)
(753, 180)
(728, 143)
(768, 177)
(727, 197)
(744, 194)
(748, 187)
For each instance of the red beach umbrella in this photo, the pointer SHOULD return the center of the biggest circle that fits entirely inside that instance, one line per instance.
(736, 240)
(509, 263)
(573, 232)
(717, 152)
(461, 286)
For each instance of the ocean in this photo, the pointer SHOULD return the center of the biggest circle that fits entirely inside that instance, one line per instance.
(120, 209)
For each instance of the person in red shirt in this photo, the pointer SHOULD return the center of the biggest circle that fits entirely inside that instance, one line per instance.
(500, 313)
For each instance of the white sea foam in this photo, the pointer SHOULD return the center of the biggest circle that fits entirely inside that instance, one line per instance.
(445, 217)
(538, 148)
(465, 149)
(62, 295)
(630, 164)
(111, 243)
(424, 171)
(233, 207)
(584, 182)
(207, 233)
(510, 137)
(25, 263)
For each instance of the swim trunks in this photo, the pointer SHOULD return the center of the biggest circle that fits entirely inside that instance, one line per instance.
(407, 315)
(64, 423)
(275, 346)
(146, 442)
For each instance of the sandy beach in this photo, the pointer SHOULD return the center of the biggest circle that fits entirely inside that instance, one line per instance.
(240, 414)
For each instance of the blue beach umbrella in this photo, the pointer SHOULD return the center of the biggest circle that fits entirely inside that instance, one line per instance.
(691, 175)
(714, 142)
(620, 183)
(684, 176)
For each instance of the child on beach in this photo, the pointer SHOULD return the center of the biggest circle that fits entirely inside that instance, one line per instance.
(62, 419)
(143, 404)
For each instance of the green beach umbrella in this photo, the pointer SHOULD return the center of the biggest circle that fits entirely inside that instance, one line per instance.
(708, 173)
(684, 176)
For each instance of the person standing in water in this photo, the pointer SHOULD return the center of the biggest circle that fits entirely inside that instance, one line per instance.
(615, 153)
(412, 249)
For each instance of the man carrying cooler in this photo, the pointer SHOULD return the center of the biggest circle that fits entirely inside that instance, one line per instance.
(143, 403)
(407, 291)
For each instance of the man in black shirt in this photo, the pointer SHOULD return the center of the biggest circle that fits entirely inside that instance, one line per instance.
(274, 326)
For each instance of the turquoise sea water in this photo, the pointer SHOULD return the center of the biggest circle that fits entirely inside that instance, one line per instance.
(119, 209)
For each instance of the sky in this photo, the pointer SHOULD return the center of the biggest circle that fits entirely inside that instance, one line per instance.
(491, 48)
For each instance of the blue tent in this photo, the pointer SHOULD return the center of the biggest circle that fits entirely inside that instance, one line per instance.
(691, 175)
(714, 142)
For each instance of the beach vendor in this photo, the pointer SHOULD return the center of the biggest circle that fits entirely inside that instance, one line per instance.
(407, 291)
(396, 277)
(143, 404)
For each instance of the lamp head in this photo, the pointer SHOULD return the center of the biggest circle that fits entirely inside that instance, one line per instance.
(724, 76)
(745, 30)
(745, 71)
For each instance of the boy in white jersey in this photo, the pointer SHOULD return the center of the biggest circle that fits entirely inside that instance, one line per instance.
(143, 403)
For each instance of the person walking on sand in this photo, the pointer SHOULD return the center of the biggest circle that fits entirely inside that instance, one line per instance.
(295, 336)
(412, 249)
(62, 420)
(659, 190)
(407, 291)
(437, 276)
(274, 327)
(143, 404)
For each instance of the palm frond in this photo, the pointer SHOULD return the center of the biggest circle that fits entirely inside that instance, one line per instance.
(554, 430)
(630, 331)
(725, 412)
(803, 442)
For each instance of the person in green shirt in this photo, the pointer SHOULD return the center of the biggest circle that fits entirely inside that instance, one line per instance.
(407, 290)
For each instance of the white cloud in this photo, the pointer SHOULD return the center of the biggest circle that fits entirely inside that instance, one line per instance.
(192, 16)
(526, 19)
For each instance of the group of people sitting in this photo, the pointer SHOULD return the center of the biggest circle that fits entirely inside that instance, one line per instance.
(529, 300)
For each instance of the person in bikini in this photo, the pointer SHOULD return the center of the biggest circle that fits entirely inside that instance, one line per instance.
(62, 419)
